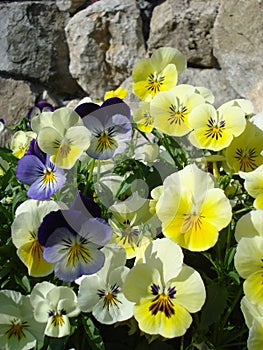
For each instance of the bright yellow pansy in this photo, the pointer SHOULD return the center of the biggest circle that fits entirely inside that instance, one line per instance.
(158, 73)
(191, 210)
(244, 152)
(165, 290)
(170, 109)
(215, 129)
(120, 92)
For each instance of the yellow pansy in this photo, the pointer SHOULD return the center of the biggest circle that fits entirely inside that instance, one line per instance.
(120, 92)
(244, 152)
(254, 185)
(158, 73)
(20, 142)
(165, 291)
(191, 210)
(64, 138)
(28, 217)
(170, 109)
(215, 129)
(143, 117)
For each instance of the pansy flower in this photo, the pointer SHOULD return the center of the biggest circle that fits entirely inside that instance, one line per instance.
(164, 290)
(4, 166)
(110, 127)
(54, 306)
(134, 227)
(215, 129)
(36, 170)
(254, 185)
(257, 119)
(246, 106)
(2, 125)
(21, 141)
(192, 210)
(170, 109)
(102, 293)
(120, 92)
(61, 135)
(40, 106)
(248, 257)
(18, 327)
(28, 217)
(72, 242)
(158, 73)
(244, 152)
(253, 315)
(143, 118)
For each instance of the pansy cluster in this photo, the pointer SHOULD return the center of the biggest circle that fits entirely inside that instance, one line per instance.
(146, 215)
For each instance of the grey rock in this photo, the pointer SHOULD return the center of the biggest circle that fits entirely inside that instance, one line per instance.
(212, 79)
(70, 6)
(105, 40)
(16, 98)
(33, 44)
(186, 25)
(238, 44)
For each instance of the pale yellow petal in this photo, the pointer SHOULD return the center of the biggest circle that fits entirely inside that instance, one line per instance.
(168, 327)
(31, 254)
(253, 288)
(248, 256)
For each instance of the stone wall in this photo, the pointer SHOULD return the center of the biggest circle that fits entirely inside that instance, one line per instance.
(67, 49)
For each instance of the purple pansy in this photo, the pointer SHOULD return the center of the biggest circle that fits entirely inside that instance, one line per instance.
(72, 241)
(36, 169)
(2, 124)
(41, 106)
(109, 125)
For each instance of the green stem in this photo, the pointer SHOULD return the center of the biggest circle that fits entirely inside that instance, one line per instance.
(243, 210)
(182, 343)
(228, 239)
(98, 170)
(231, 308)
(90, 177)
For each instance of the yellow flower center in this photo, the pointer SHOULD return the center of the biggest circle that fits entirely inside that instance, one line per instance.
(57, 320)
(64, 150)
(57, 317)
(16, 330)
(105, 140)
(49, 176)
(246, 158)
(148, 119)
(215, 128)
(129, 234)
(110, 297)
(192, 221)
(154, 82)
(177, 114)
(76, 253)
(163, 301)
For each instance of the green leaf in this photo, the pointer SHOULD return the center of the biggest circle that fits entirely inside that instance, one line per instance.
(26, 283)
(234, 276)
(57, 343)
(7, 155)
(215, 304)
(95, 339)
